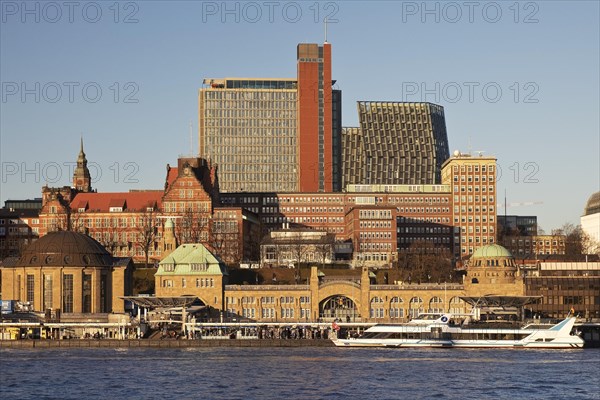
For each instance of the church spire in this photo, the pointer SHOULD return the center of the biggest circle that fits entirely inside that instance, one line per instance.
(81, 176)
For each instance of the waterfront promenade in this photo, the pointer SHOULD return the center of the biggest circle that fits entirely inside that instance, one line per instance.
(164, 343)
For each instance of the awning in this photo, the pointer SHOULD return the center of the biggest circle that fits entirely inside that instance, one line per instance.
(500, 301)
(161, 302)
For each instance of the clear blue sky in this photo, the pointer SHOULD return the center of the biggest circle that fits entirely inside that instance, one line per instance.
(543, 56)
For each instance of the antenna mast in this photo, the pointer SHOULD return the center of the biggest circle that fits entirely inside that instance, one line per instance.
(325, 21)
(505, 216)
(469, 145)
(191, 140)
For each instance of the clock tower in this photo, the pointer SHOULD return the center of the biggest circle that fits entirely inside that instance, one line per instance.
(81, 177)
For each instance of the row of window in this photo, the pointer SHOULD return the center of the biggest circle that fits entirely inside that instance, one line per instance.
(16, 221)
(422, 220)
(375, 235)
(320, 210)
(433, 240)
(470, 178)
(470, 190)
(248, 100)
(372, 257)
(470, 168)
(376, 247)
(200, 283)
(470, 239)
(376, 224)
(268, 300)
(374, 214)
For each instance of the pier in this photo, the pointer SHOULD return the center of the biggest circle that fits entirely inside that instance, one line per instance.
(157, 343)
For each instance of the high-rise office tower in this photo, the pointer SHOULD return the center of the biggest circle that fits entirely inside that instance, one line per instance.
(473, 182)
(397, 143)
(275, 135)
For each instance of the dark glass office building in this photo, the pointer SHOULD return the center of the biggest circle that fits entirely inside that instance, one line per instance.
(396, 144)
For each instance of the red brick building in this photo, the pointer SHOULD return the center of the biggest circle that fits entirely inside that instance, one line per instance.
(131, 224)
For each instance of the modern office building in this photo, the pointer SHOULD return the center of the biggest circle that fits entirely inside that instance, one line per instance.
(397, 144)
(382, 220)
(473, 183)
(533, 246)
(268, 134)
(564, 287)
(378, 220)
(19, 220)
(517, 225)
(353, 157)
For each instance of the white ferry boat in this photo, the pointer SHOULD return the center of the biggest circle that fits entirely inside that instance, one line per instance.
(439, 330)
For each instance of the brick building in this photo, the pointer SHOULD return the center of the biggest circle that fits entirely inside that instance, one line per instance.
(19, 224)
(131, 224)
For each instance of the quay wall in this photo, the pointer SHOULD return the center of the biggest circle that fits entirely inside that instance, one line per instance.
(183, 343)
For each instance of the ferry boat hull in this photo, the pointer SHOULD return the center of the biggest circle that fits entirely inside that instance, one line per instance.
(440, 334)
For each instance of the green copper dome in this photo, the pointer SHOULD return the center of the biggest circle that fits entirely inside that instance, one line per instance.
(491, 251)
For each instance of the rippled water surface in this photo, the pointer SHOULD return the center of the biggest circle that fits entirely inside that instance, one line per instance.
(298, 373)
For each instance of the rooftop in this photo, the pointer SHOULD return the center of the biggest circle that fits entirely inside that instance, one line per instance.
(128, 201)
(491, 251)
(66, 248)
(593, 204)
(191, 259)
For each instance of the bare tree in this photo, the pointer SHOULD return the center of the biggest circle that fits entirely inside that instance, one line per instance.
(146, 231)
(77, 222)
(225, 240)
(324, 248)
(193, 227)
(426, 263)
(60, 220)
(110, 236)
(298, 250)
(576, 240)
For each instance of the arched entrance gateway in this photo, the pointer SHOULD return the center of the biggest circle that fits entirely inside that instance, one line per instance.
(338, 306)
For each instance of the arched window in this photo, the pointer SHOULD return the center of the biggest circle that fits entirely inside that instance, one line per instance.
(456, 306)
(377, 310)
(415, 307)
(436, 305)
(396, 310)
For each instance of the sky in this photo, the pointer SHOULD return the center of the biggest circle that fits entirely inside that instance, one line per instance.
(518, 81)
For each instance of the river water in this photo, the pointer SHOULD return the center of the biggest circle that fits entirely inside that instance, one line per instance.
(298, 373)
